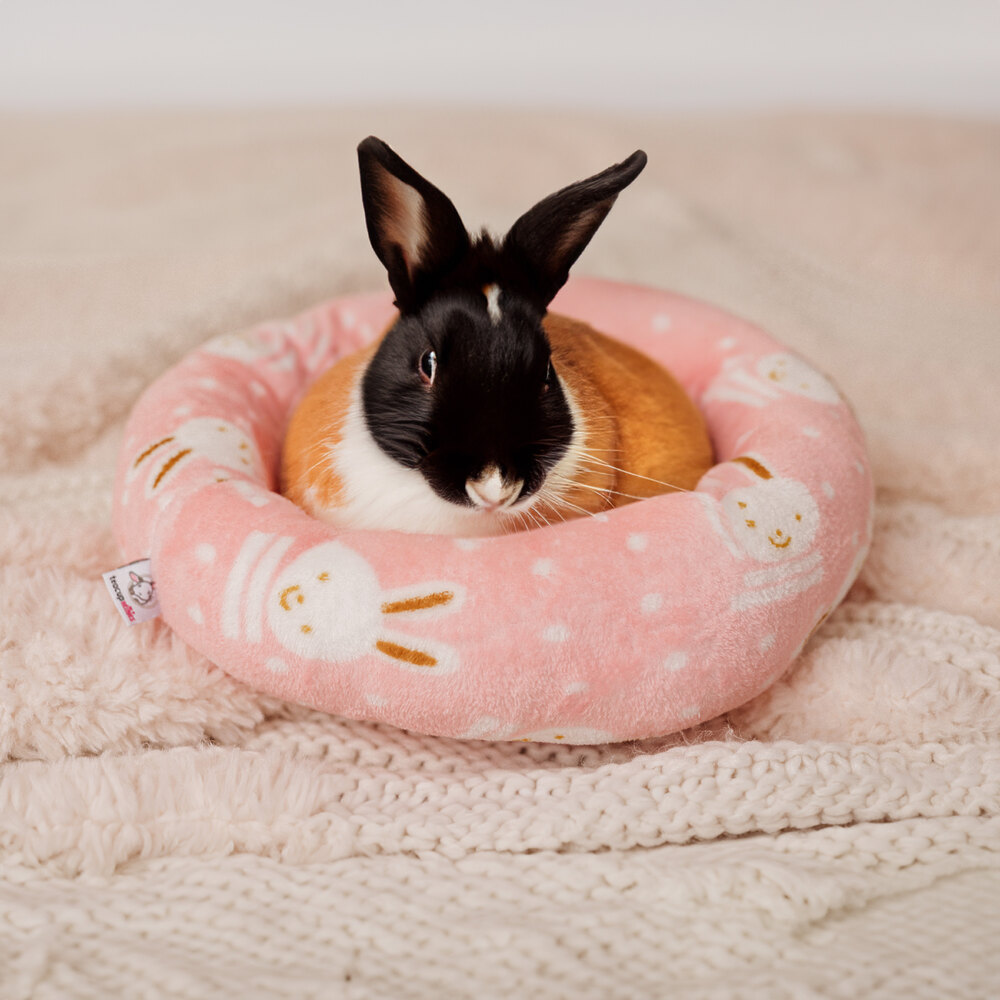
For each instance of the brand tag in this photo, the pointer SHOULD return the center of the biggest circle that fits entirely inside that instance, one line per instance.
(133, 591)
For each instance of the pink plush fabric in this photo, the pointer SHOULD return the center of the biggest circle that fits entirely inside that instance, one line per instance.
(639, 622)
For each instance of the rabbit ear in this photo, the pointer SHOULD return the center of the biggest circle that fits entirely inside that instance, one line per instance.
(133, 576)
(414, 228)
(545, 242)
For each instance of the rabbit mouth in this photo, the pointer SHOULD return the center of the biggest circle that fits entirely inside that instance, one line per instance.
(490, 492)
(781, 545)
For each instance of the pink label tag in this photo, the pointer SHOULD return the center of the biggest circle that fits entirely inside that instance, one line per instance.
(133, 591)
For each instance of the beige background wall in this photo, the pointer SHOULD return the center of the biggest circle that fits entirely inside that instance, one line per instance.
(921, 55)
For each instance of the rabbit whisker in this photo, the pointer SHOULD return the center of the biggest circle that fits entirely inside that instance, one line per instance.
(322, 460)
(527, 516)
(556, 500)
(608, 492)
(579, 510)
(635, 475)
(537, 513)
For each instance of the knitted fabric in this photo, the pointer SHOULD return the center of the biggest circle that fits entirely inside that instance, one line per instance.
(167, 832)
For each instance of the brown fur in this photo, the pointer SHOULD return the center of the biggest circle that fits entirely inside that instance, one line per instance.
(637, 416)
(307, 475)
(637, 419)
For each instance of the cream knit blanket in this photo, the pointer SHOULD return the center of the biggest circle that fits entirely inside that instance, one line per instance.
(165, 832)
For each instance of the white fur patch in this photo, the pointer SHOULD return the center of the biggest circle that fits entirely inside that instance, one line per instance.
(379, 494)
(490, 490)
(487, 489)
(568, 467)
(492, 293)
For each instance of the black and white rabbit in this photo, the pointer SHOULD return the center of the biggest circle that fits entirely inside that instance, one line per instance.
(477, 412)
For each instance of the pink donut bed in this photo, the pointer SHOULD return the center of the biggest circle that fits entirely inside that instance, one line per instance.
(639, 622)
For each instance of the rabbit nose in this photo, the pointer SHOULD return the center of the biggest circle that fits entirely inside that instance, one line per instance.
(490, 492)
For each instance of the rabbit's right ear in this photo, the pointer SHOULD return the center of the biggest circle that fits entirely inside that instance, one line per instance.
(414, 228)
(546, 241)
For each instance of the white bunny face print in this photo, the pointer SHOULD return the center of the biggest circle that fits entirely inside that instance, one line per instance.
(219, 441)
(773, 377)
(251, 347)
(772, 520)
(772, 523)
(238, 346)
(328, 605)
(277, 348)
(793, 375)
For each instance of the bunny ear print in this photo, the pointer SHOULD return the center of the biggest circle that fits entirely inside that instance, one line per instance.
(757, 468)
(414, 228)
(133, 576)
(546, 241)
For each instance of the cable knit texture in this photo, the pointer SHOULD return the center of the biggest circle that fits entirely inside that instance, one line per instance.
(167, 832)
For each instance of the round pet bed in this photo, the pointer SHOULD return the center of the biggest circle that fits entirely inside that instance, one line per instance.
(639, 622)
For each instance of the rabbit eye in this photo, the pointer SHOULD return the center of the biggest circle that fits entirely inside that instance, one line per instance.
(428, 367)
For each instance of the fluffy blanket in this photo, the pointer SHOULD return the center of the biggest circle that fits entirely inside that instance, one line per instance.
(165, 831)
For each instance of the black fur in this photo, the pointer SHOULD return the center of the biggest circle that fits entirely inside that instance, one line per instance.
(491, 402)
(547, 239)
(412, 280)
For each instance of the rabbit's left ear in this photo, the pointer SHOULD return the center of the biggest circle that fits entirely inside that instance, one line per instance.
(414, 228)
(133, 576)
(545, 242)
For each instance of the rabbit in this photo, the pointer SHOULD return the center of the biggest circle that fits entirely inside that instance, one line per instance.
(478, 412)
(140, 588)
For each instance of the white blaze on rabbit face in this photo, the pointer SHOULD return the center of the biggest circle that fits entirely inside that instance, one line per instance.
(492, 293)
(490, 491)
